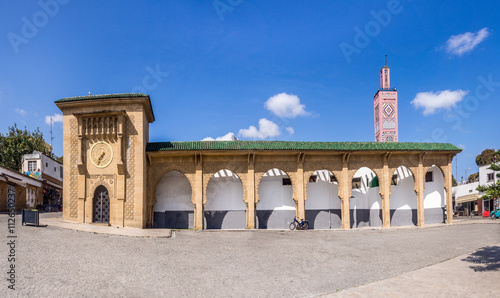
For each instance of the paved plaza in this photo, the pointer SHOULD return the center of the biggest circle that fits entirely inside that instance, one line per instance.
(57, 261)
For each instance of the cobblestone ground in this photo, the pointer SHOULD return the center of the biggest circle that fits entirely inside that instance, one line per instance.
(56, 262)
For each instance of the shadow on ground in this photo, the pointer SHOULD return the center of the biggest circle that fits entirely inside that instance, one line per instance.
(487, 258)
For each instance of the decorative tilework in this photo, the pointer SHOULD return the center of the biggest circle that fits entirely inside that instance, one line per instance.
(389, 110)
(130, 180)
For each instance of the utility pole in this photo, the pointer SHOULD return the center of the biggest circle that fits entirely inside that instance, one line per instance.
(51, 135)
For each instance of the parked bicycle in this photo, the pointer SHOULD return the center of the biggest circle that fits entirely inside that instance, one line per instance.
(299, 225)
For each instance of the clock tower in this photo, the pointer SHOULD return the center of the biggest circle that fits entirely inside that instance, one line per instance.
(385, 103)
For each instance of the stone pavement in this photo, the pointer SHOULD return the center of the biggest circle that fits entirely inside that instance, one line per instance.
(55, 220)
(432, 261)
(473, 275)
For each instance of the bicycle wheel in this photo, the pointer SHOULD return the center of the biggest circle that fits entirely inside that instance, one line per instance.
(305, 226)
(293, 226)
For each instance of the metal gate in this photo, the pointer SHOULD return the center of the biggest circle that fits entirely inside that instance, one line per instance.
(101, 205)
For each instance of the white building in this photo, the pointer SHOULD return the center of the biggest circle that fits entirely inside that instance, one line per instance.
(50, 172)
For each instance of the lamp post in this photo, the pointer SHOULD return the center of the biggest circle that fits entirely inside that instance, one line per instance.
(466, 175)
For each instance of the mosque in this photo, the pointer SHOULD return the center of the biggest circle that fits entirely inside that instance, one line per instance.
(113, 175)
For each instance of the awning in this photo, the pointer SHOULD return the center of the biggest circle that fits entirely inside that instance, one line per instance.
(467, 198)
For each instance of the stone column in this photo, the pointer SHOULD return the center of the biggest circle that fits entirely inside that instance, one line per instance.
(198, 207)
(385, 193)
(345, 193)
(419, 189)
(301, 212)
(448, 188)
(250, 200)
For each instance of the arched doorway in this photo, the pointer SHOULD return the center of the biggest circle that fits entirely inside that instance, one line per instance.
(276, 207)
(403, 201)
(100, 213)
(323, 207)
(366, 203)
(434, 196)
(225, 208)
(173, 208)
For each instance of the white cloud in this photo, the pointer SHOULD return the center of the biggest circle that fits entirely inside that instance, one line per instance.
(55, 118)
(20, 112)
(227, 137)
(290, 130)
(267, 129)
(285, 106)
(431, 101)
(466, 42)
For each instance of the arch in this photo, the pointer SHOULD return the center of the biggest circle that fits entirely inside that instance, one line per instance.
(101, 205)
(173, 208)
(403, 199)
(225, 208)
(323, 206)
(365, 202)
(276, 207)
(434, 196)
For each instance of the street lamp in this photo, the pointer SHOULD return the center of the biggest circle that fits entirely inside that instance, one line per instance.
(466, 175)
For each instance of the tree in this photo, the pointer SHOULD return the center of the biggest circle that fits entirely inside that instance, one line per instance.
(486, 157)
(453, 181)
(473, 177)
(18, 142)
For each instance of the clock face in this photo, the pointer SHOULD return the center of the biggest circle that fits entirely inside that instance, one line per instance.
(101, 154)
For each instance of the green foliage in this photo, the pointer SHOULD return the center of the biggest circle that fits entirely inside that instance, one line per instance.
(473, 177)
(486, 157)
(60, 159)
(453, 181)
(18, 142)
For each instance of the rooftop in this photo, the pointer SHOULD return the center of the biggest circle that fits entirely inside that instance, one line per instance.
(101, 96)
(288, 145)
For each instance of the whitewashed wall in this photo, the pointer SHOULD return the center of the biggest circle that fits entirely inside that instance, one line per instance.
(323, 207)
(225, 208)
(173, 208)
(276, 207)
(366, 203)
(434, 198)
(403, 200)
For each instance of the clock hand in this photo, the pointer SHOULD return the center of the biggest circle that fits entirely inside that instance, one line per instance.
(100, 158)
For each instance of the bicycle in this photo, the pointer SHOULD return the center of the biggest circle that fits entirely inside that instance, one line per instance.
(299, 225)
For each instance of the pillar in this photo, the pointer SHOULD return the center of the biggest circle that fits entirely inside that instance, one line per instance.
(198, 207)
(301, 211)
(420, 187)
(385, 193)
(345, 194)
(448, 188)
(250, 200)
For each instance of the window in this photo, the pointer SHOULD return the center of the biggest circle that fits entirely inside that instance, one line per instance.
(490, 177)
(333, 179)
(356, 183)
(287, 181)
(46, 164)
(31, 166)
(313, 178)
(55, 169)
(394, 180)
(429, 177)
(60, 172)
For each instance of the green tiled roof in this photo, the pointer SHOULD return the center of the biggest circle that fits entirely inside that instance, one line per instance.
(101, 96)
(286, 145)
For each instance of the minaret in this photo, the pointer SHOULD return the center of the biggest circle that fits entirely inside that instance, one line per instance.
(385, 103)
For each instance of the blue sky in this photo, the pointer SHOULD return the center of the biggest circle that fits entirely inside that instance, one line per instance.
(301, 70)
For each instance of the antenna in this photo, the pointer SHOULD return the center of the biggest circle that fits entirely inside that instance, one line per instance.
(385, 60)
